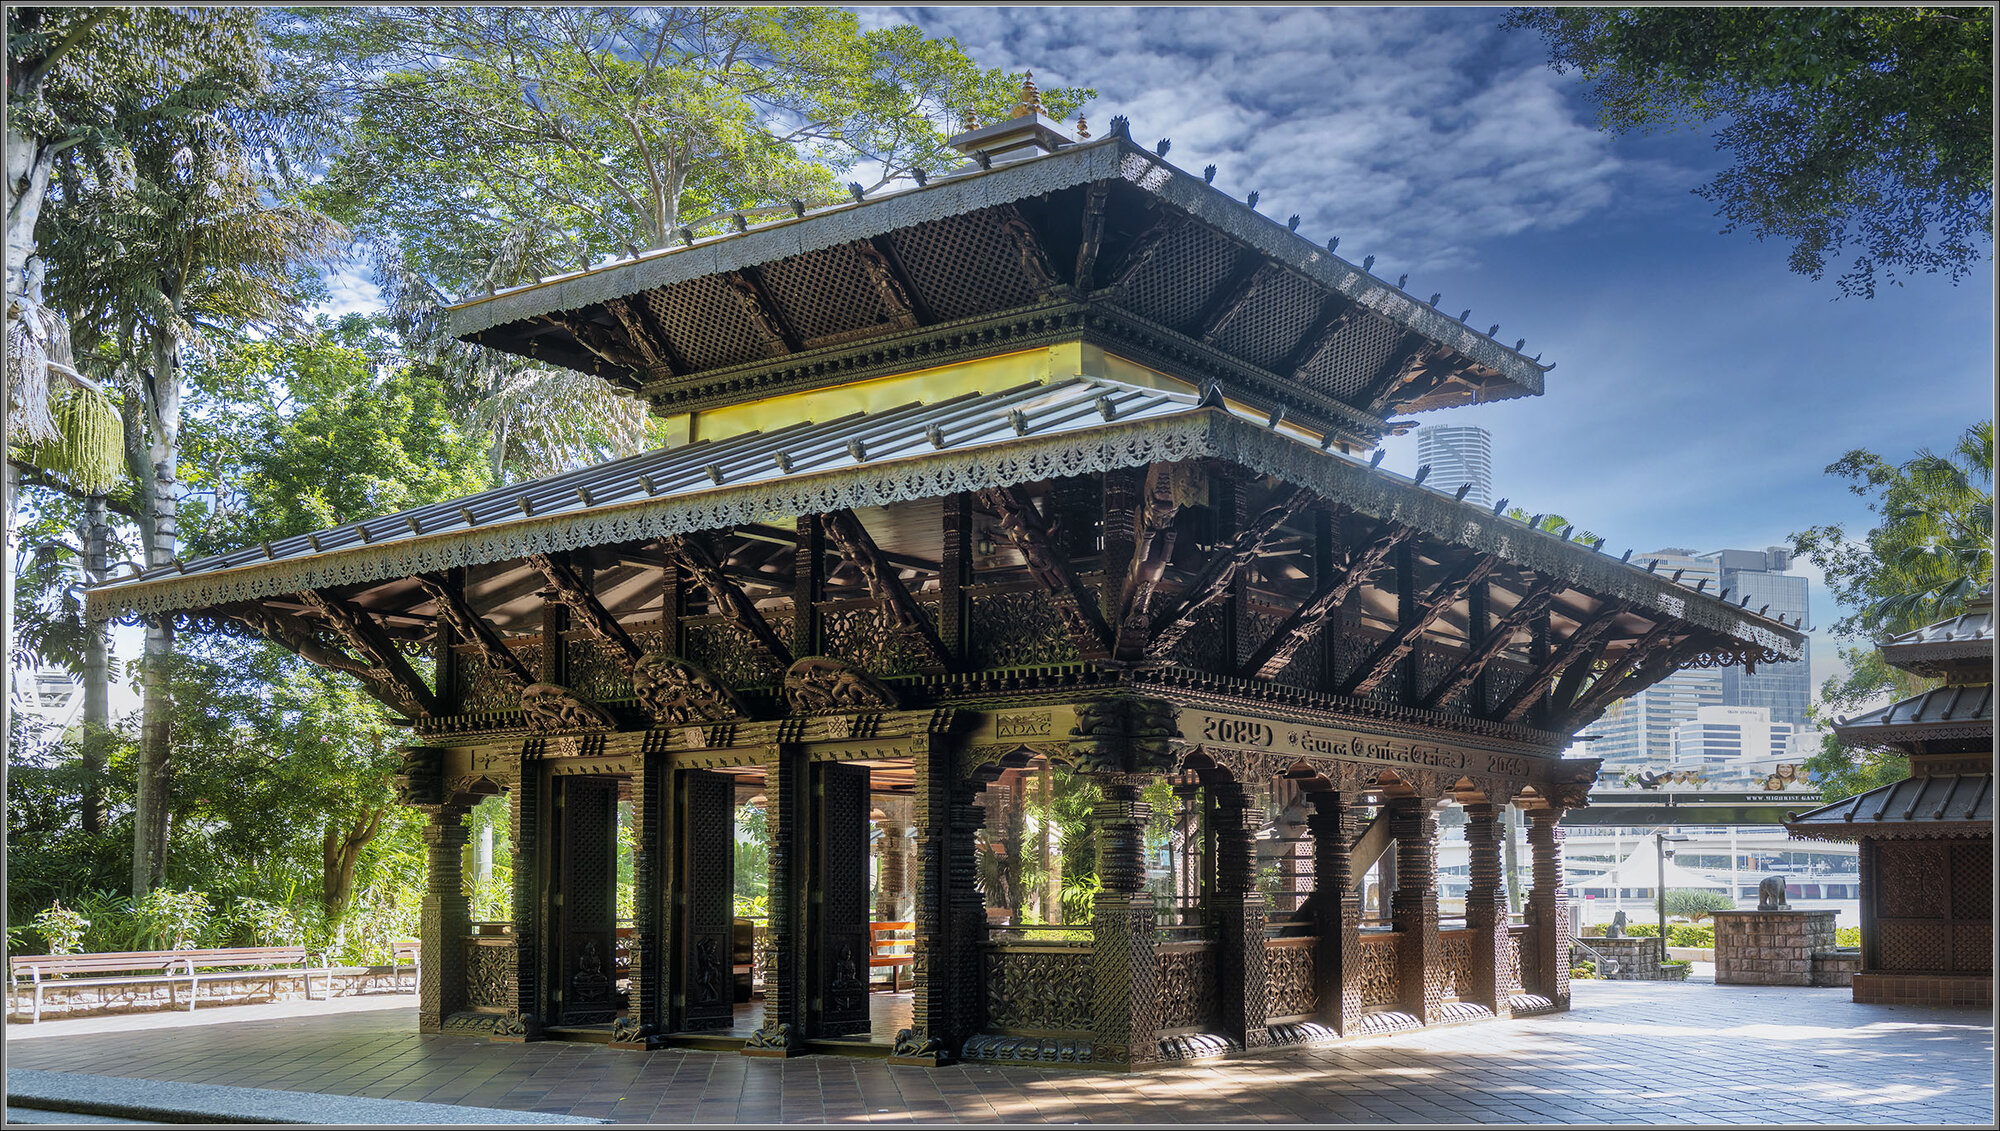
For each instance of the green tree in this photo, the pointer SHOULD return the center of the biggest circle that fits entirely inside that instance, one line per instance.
(1930, 552)
(1851, 128)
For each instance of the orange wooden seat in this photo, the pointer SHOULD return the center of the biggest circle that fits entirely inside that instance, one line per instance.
(885, 948)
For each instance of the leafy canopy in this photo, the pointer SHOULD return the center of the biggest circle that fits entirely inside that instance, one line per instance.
(1862, 130)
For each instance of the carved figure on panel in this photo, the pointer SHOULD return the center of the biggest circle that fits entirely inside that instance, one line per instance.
(708, 972)
(589, 984)
(553, 709)
(675, 691)
(818, 685)
(916, 1042)
(1771, 894)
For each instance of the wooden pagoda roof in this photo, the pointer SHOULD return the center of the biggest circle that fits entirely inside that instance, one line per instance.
(1956, 645)
(1939, 805)
(1100, 238)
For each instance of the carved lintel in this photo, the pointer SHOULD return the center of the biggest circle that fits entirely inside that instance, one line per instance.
(472, 628)
(554, 709)
(674, 691)
(1124, 734)
(727, 597)
(1494, 642)
(748, 290)
(885, 583)
(1212, 583)
(1537, 684)
(1305, 622)
(1432, 605)
(589, 611)
(819, 685)
(367, 637)
(1094, 202)
(1023, 526)
(888, 287)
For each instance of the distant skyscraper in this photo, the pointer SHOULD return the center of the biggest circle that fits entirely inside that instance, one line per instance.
(1785, 689)
(1458, 454)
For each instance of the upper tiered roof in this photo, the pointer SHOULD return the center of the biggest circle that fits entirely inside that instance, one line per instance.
(1040, 237)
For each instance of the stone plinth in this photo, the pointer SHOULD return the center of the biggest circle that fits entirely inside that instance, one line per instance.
(1633, 959)
(1770, 948)
(1836, 967)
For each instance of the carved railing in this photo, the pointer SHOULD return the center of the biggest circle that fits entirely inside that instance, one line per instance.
(1376, 972)
(1039, 988)
(1455, 963)
(1291, 979)
(1017, 626)
(1188, 986)
(489, 972)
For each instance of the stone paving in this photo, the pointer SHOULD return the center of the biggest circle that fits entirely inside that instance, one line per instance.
(1628, 1054)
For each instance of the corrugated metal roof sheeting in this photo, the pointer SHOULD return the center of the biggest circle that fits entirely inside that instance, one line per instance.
(1936, 799)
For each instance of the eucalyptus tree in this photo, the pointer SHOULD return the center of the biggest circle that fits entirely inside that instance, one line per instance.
(491, 146)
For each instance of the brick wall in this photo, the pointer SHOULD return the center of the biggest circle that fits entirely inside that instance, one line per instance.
(1770, 948)
(1972, 990)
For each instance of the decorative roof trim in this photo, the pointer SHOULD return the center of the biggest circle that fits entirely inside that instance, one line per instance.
(1196, 433)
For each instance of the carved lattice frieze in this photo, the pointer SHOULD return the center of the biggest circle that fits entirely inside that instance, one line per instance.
(868, 638)
(1201, 648)
(1514, 967)
(1018, 630)
(1915, 945)
(1039, 989)
(1291, 971)
(1375, 972)
(595, 669)
(731, 654)
(1187, 988)
(1915, 881)
(1455, 964)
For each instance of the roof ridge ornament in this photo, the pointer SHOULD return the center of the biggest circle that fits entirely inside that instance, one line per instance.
(1029, 103)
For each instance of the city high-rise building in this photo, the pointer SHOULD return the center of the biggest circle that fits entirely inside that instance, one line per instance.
(1783, 689)
(1458, 454)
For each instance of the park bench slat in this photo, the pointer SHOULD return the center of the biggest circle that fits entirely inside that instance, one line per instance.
(168, 967)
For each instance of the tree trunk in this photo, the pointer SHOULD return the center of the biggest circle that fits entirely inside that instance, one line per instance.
(96, 667)
(160, 496)
(340, 852)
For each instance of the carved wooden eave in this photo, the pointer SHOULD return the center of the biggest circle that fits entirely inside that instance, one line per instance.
(673, 492)
(1099, 224)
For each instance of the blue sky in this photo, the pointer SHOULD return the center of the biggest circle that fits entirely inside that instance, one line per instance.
(1700, 388)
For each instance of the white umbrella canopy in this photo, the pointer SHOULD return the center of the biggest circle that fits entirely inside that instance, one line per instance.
(1642, 870)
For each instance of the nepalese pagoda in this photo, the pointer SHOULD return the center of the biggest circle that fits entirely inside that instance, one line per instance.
(1926, 842)
(1052, 469)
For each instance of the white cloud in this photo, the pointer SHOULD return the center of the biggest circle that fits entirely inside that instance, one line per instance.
(350, 291)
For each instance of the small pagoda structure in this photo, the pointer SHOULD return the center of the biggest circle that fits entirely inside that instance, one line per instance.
(1926, 841)
(1057, 463)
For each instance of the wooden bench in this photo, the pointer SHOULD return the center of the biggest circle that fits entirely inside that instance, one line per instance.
(886, 949)
(37, 972)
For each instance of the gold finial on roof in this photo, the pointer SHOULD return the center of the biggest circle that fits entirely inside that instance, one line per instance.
(1082, 129)
(968, 121)
(1030, 102)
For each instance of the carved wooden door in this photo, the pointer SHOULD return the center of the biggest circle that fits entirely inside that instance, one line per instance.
(587, 900)
(707, 899)
(838, 909)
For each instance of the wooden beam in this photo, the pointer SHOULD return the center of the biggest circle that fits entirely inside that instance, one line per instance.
(1155, 528)
(1145, 245)
(1077, 605)
(1563, 695)
(1601, 692)
(366, 637)
(602, 343)
(1494, 642)
(1094, 202)
(1559, 658)
(724, 595)
(747, 288)
(645, 336)
(1212, 582)
(1405, 364)
(955, 576)
(472, 628)
(1336, 314)
(1028, 250)
(1298, 629)
(1250, 275)
(1648, 661)
(1431, 606)
(888, 287)
(885, 584)
(590, 613)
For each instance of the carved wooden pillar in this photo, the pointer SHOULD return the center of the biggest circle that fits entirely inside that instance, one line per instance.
(446, 919)
(785, 790)
(1486, 910)
(1336, 823)
(954, 575)
(1546, 910)
(530, 820)
(837, 907)
(930, 1039)
(808, 585)
(1238, 913)
(893, 904)
(965, 910)
(1413, 908)
(1125, 1015)
(651, 879)
(704, 900)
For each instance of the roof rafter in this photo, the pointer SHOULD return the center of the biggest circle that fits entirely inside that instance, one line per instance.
(1298, 629)
(1494, 642)
(1024, 527)
(1212, 582)
(367, 637)
(884, 583)
(1432, 605)
(1533, 688)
